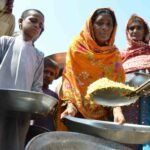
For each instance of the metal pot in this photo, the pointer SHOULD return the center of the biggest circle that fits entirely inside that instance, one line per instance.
(70, 141)
(126, 133)
(33, 131)
(16, 107)
(137, 78)
(26, 101)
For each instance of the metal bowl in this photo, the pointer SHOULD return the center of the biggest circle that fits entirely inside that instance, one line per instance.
(70, 141)
(137, 78)
(126, 133)
(26, 101)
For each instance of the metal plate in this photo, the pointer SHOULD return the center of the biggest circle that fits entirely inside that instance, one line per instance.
(113, 96)
(126, 133)
(111, 99)
(26, 101)
(71, 141)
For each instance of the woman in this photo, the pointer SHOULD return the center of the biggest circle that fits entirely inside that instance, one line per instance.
(7, 19)
(91, 56)
(136, 58)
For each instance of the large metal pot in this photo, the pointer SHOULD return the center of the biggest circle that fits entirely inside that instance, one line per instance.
(33, 131)
(16, 108)
(26, 101)
(71, 141)
(126, 133)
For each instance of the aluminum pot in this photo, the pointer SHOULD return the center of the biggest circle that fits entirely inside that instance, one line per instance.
(71, 141)
(126, 133)
(26, 101)
(137, 78)
(35, 130)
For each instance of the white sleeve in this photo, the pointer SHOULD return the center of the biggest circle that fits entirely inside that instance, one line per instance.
(38, 77)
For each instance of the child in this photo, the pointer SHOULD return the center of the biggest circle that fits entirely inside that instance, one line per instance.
(44, 124)
(21, 68)
(51, 71)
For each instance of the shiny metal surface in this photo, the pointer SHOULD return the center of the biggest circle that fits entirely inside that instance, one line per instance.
(71, 141)
(126, 133)
(33, 131)
(108, 97)
(26, 101)
(137, 78)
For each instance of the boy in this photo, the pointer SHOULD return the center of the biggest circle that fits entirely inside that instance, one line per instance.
(51, 71)
(21, 68)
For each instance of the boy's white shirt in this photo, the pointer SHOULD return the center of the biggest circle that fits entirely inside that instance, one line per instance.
(21, 66)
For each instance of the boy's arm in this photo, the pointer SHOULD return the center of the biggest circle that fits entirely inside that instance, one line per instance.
(38, 78)
(5, 42)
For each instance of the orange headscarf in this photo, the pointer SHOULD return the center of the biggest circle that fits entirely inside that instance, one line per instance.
(86, 62)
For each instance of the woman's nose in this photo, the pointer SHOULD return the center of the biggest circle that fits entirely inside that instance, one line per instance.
(105, 27)
(135, 30)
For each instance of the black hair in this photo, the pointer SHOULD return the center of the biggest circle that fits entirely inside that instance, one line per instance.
(50, 63)
(26, 13)
(104, 11)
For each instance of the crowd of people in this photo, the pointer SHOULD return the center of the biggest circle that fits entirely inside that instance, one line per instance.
(92, 55)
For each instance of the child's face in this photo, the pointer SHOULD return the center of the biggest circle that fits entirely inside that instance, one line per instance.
(49, 75)
(32, 25)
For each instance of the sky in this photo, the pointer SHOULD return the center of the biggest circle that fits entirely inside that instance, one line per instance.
(64, 19)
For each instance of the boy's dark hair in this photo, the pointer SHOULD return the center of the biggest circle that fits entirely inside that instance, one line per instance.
(26, 13)
(104, 11)
(53, 64)
(50, 63)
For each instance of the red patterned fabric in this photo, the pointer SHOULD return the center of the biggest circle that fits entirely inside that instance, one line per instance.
(137, 55)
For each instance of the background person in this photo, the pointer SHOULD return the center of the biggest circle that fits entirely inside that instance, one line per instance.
(51, 71)
(7, 19)
(136, 58)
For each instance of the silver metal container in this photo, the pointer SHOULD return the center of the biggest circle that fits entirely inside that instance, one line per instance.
(126, 133)
(71, 141)
(26, 101)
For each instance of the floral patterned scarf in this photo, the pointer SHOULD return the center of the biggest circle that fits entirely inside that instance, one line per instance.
(86, 62)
